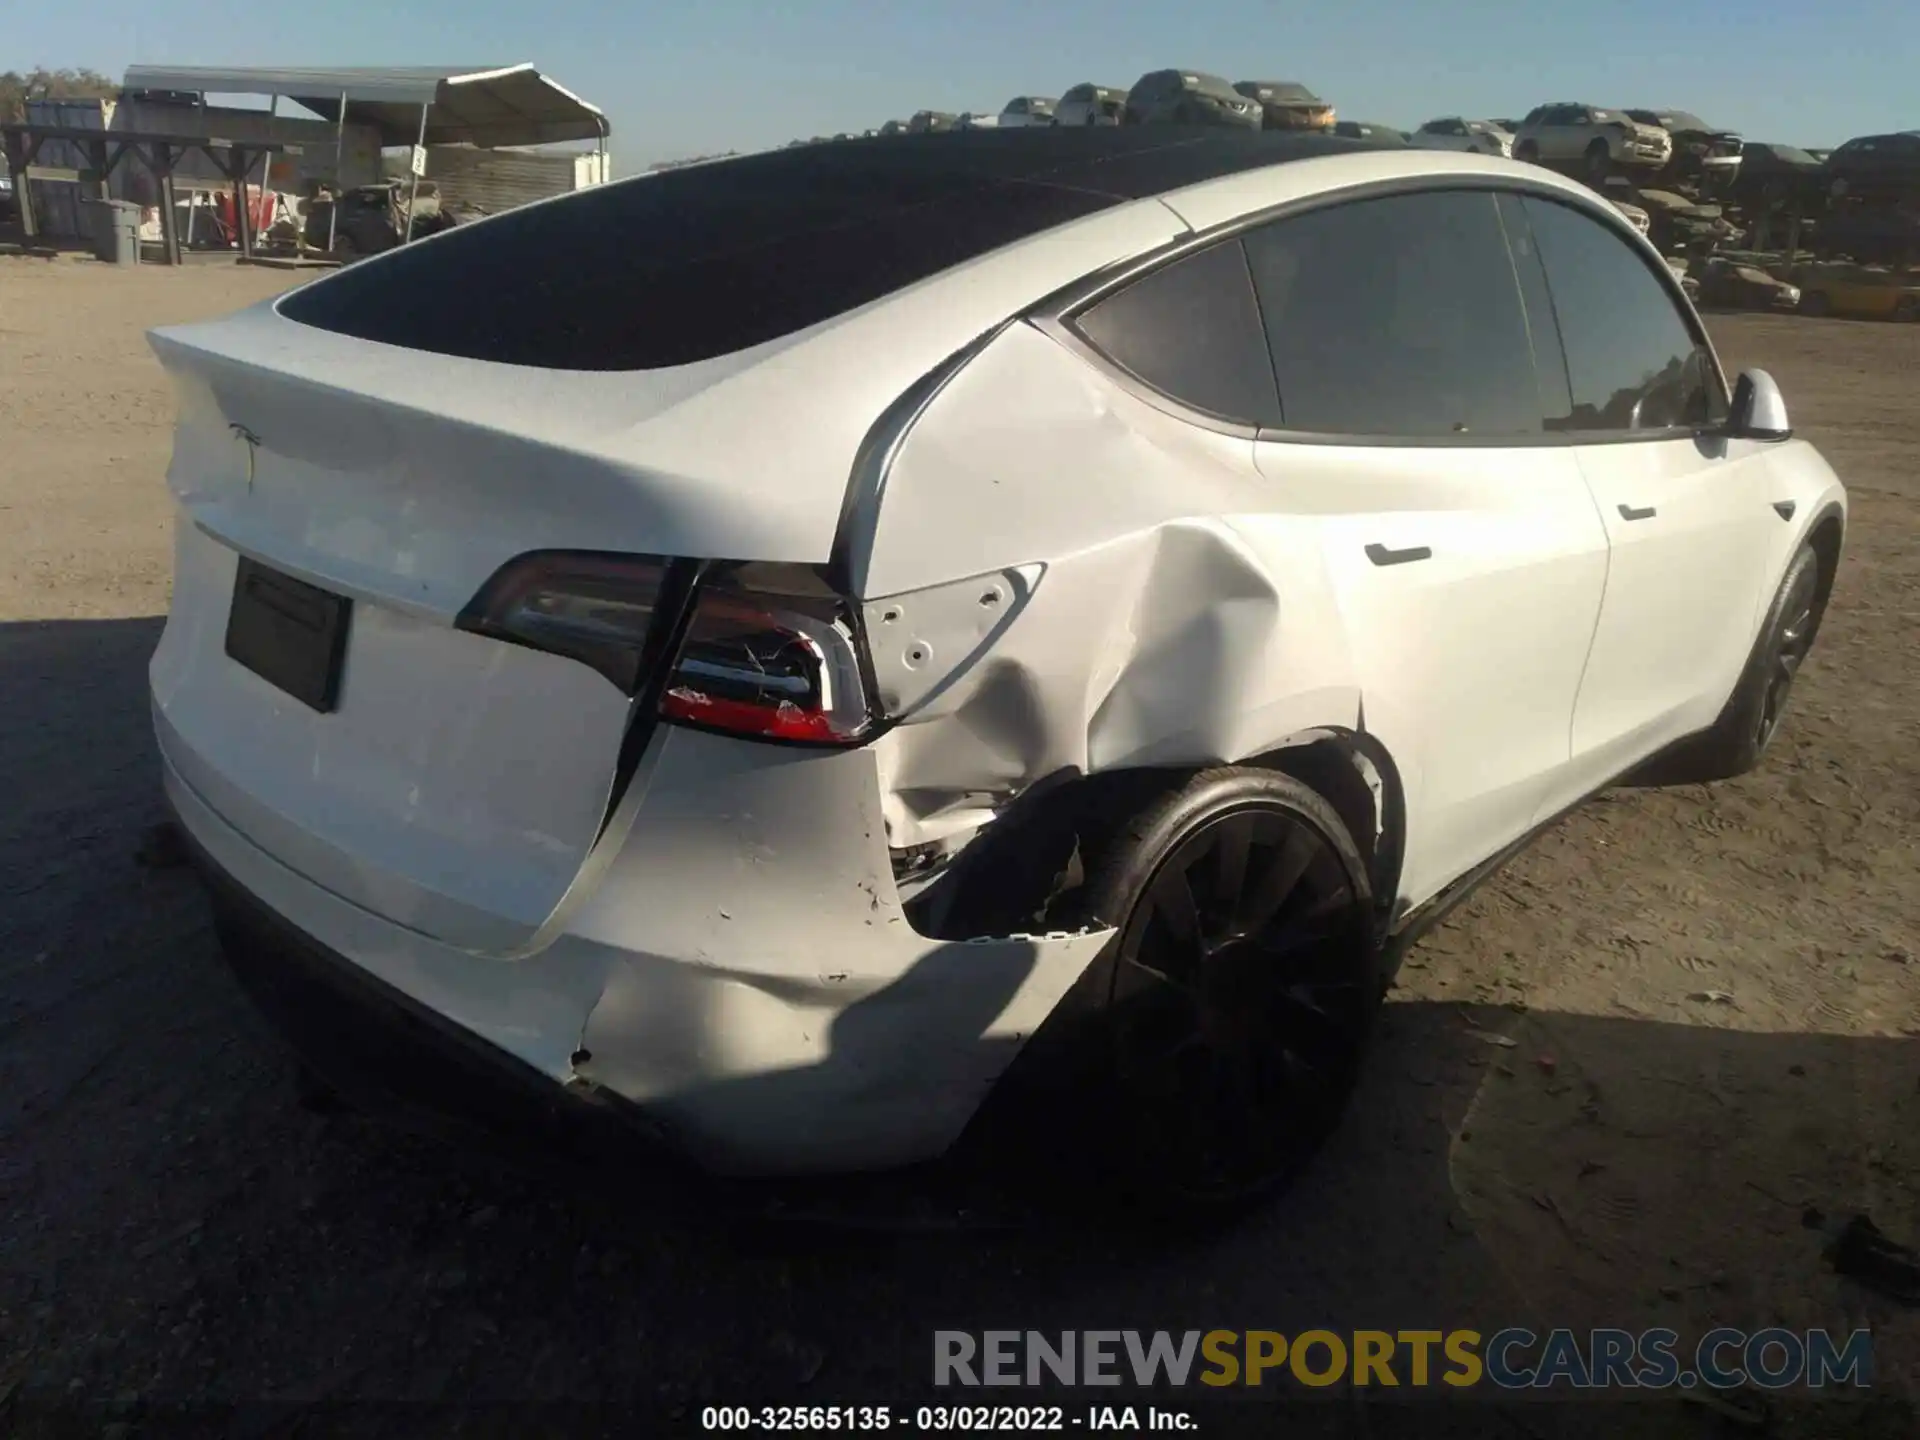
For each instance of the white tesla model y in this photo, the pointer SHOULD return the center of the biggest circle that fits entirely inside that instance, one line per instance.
(754, 644)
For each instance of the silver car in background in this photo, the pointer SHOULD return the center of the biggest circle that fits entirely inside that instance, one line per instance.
(1474, 137)
(1090, 104)
(1025, 110)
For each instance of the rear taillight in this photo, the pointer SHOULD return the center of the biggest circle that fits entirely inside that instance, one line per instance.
(768, 651)
(592, 607)
(771, 652)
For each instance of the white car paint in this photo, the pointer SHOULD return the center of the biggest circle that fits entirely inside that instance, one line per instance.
(732, 952)
(1683, 586)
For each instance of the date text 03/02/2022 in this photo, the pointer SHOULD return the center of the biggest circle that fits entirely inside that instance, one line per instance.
(944, 1419)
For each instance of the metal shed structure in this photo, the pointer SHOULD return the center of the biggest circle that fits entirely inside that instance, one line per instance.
(420, 106)
(502, 105)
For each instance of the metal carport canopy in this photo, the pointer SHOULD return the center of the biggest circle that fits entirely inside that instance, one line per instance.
(505, 105)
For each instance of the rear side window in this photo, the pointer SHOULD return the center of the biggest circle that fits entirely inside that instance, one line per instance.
(1633, 362)
(1398, 317)
(1191, 330)
(686, 265)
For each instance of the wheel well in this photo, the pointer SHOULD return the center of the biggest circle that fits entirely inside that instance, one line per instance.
(1024, 871)
(1824, 541)
(1353, 773)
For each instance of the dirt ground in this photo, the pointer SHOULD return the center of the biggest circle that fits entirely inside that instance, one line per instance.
(1559, 1127)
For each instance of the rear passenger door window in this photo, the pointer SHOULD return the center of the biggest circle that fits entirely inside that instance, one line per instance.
(1191, 330)
(1397, 317)
(1634, 363)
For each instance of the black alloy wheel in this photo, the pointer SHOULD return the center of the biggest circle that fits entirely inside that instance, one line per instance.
(1244, 981)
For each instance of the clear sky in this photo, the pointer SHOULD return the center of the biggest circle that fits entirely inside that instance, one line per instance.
(711, 75)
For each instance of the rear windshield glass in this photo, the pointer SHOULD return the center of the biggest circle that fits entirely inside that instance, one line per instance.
(685, 265)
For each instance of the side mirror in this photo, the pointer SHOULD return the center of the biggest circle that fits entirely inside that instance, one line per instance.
(1758, 412)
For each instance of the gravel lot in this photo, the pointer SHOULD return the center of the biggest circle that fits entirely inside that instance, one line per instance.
(174, 1226)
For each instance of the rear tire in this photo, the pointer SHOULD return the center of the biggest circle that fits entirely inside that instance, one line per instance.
(1244, 980)
(1907, 308)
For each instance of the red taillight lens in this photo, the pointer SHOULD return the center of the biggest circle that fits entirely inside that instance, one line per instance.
(594, 608)
(771, 652)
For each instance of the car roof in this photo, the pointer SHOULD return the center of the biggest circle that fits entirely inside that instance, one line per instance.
(801, 406)
(721, 258)
(794, 236)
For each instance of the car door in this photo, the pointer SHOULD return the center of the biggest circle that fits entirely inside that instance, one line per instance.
(1458, 539)
(1687, 510)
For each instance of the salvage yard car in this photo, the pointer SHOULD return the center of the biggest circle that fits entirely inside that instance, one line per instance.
(1775, 177)
(1061, 592)
(1596, 139)
(1026, 110)
(1700, 153)
(1090, 104)
(1860, 292)
(1877, 166)
(373, 218)
(1636, 216)
(1189, 97)
(1476, 137)
(1726, 284)
(1287, 105)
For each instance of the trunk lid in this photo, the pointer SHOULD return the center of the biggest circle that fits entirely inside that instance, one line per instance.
(458, 783)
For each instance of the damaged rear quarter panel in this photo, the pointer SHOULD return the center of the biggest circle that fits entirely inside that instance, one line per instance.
(1057, 584)
(783, 1015)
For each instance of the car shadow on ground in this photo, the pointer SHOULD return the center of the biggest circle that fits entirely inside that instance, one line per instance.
(175, 1218)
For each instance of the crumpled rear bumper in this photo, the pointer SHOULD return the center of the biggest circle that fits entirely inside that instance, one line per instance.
(381, 1048)
(741, 979)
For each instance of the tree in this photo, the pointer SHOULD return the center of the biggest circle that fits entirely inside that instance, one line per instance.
(41, 83)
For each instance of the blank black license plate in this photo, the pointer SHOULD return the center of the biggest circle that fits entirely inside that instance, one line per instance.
(291, 634)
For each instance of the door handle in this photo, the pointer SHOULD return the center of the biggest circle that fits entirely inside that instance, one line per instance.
(1627, 512)
(1381, 555)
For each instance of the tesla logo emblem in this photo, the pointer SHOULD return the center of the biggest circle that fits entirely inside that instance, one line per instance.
(253, 447)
